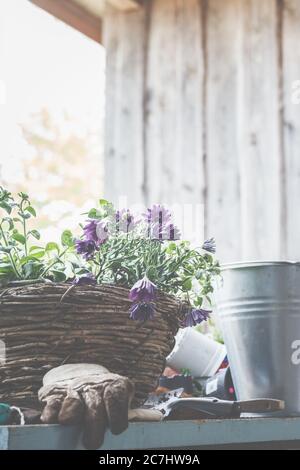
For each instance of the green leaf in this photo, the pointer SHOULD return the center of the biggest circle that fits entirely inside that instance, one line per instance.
(9, 221)
(35, 233)
(6, 249)
(198, 302)
(32, 269)
(19, 237)
(35, 248)
(95, 214)
(24, 215)
(7, 207)
(58, 276)
(208, 258)
(37, 255)
(171, 247)
(67, 238)
(187, 284)
(81, 271)
(31, 210)
(151, 273)
(104, 202)
(6, 268)
(52, 246)
(23, 195)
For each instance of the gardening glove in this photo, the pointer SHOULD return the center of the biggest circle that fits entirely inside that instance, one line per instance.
(90, 395)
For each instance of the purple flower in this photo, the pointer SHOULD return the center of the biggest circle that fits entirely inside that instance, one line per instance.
(209, 245)
(159, 224)
(142, 311)
(125, 221)
(102, 231)
(86, 248)
(90, 231)
(85, 280)
(158, 212)
(143, 291)
(172, 232)
(96, 231)
(195, 316)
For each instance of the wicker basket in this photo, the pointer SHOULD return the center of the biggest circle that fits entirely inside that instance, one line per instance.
(44, 326)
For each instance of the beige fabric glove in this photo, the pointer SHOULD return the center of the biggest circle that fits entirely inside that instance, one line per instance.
(90, 395)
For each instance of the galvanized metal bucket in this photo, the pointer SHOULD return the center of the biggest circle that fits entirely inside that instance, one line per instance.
(258, 306)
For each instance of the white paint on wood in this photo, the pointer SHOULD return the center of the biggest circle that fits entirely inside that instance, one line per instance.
(223, 159)
(95, 7)
(259, 131)
(165, 110)
(124, 5)
(4, 435)
(98, 7)
(161, 132)
(124, 170)
(174, 150)
(190, 176)
(291, 68)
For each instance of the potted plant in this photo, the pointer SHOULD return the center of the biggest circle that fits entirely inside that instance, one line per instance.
(115, 296)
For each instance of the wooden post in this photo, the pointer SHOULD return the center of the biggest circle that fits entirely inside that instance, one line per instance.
(291, 124)
(222, 117)
(154, 102)
(194, 115)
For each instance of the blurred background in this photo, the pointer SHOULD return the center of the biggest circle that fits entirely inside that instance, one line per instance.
(51, 114)
(186, 102)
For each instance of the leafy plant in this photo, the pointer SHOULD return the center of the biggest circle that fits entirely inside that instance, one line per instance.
(144, 254)
(22, 258)
(119, 248)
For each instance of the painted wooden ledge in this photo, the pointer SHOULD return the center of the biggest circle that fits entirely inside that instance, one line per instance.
(168, 435)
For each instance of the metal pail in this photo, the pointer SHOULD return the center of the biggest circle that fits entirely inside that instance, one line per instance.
(258, 306)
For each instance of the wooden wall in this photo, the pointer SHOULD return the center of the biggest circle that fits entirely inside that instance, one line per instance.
(199, 110)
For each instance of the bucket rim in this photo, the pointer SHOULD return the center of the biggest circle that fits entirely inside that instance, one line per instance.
(254, 264)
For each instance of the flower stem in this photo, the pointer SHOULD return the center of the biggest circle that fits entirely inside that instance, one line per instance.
(54, 263)
(10, 255)
(24, 228)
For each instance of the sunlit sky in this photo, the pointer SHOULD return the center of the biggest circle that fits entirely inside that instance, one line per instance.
(44, 62)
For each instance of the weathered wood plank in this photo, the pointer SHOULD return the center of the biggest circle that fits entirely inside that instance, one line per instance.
(174, 149)
(161, 132)
(259, 129)
(178, 131)
(223, 175)
(164, 435)
(72, 13)
(41, 437)
(291, 129)
(125, 5)
(124, 165)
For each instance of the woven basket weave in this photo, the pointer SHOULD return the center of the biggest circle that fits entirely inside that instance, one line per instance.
(44, 326)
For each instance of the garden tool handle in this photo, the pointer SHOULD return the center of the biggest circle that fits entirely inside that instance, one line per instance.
(214, 407)
(259, 405)
(141, 414)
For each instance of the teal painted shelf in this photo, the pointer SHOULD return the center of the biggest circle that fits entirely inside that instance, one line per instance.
(165, 435)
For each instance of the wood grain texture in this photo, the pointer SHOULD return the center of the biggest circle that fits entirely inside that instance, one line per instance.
(194, 115)
(259, 136)
(223, 158)
(74, 15)
(164, 435)
(124, 164)
(291, 129)
(174, 149)
(124, 5)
